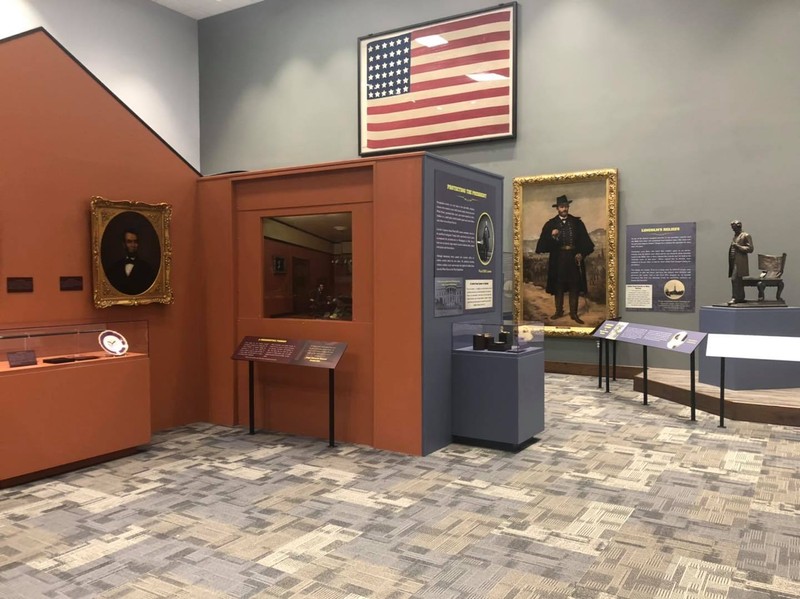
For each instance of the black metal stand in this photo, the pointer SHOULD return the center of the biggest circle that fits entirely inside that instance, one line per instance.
(692, 398)
(645, 382)
(330, 408)
(614, 345)
(722, 393)
(644, 374)
(331, 402)
(251, 398)
(601, 343)
(600, 363)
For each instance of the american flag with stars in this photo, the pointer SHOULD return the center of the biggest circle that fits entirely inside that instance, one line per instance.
(439, 83)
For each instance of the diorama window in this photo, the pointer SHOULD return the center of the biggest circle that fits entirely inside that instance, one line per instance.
(308, 266)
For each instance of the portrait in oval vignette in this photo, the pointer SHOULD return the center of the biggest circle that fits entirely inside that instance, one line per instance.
(130, 253)
(484, 238)
(565, 252)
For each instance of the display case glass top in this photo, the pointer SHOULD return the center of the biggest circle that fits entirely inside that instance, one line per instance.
(506, 336)
(69, 343)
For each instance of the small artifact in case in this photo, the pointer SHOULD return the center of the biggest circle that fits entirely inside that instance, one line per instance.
(497, 346)
(505, 337)
(113, 343)
(482, 341)
(59, 360)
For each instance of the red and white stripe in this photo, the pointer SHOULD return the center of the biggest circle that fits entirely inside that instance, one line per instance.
(444, 104)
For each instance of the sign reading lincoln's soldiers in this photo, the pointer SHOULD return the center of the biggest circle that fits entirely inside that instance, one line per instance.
(661, 267)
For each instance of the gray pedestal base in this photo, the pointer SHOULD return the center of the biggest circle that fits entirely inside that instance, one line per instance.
(498, 397)
(750, 374)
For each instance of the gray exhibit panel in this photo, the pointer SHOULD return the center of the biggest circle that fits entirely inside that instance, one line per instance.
(750, 374)
(498, 397)
(437, 331)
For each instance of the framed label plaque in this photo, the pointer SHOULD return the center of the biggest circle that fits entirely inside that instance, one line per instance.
(21, 358)
(300, 352)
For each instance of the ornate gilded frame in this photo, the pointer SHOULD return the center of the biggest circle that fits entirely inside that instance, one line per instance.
(110, 221)
(594, 198)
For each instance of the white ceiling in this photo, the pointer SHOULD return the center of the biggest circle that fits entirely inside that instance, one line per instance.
(200, 9)
(335, 227)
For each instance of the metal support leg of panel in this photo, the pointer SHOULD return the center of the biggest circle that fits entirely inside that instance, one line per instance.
(692, 396)
(644, 374)
(251, 397)
(599, 363)
(330, 408)
(722, 392)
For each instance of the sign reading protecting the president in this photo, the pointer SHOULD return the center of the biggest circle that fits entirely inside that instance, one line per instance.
(465, 216)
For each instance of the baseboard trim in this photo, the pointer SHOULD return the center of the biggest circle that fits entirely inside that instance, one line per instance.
(63, 469)
(623, 372)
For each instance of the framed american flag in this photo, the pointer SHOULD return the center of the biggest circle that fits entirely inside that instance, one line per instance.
(438, 83)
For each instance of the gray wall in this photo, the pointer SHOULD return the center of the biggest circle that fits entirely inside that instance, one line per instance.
(144, 53)
(694, 101)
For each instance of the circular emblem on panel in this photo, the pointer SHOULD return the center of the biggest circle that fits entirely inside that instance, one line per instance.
(113, 343)
(674, 289)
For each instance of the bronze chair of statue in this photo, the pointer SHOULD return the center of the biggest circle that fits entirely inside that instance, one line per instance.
(771, 268)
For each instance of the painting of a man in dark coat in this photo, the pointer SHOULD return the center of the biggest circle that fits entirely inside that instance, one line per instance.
(565, 239)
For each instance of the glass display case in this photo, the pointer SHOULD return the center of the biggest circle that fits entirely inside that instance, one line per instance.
(504, 336)
(72, 392)
(58, 344)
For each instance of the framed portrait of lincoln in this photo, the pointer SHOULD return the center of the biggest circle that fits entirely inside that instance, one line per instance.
(131, 253)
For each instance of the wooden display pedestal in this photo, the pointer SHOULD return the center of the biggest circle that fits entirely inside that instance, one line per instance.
(59, 414)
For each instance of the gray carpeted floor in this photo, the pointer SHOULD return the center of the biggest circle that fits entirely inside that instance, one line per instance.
(616, 500)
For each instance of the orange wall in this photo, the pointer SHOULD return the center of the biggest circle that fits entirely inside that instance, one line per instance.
(218, 253)
(398, 304)
(295, 399)
(65, 139)
(378, 381)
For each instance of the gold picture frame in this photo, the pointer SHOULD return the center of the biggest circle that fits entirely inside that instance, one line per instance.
(131, 253)
(592, 196)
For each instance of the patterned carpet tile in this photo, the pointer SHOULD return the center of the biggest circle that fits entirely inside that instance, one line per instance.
(615, 500)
